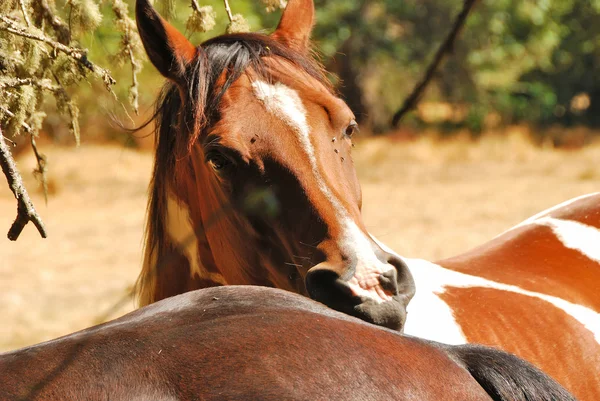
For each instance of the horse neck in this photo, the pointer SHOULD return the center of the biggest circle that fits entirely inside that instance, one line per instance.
(177, 257)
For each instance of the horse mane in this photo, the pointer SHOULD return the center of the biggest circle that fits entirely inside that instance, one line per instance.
(180, 122)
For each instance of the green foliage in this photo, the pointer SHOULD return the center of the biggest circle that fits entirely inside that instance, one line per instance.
(524, 60)
(521, 59)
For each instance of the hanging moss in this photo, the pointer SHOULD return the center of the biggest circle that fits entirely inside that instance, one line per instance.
(23, 105)
(130, 49)
(202, 20)
(32, 53)
(238, 24)
(6, 6)
(85, 15)
(166, 8)
(272, 5)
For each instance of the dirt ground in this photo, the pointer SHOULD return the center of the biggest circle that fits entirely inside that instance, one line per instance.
(424, 198)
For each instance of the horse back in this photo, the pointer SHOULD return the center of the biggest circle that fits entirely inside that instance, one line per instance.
(239, 343)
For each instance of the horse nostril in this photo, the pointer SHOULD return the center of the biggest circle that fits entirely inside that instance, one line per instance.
(389, 281)
(322, 285)
(405, 284)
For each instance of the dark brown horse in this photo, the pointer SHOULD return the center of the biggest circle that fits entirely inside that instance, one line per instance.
(257, 343)
(253, 181)
(254, 184)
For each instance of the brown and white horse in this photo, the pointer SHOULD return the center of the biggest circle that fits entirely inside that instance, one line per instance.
(258, 343)
(533, 291)
(253, 181)
(254, 184)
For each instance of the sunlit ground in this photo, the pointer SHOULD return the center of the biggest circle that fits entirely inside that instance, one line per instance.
(424, 198)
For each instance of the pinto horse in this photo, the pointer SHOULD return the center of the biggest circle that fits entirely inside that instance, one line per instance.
(254, 184)
(533, 291)
(241, 343)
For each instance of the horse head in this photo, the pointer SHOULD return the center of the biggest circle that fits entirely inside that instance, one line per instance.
(253, 180)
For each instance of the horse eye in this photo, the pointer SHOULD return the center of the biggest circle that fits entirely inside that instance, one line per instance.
(352, 129)
(217, 161)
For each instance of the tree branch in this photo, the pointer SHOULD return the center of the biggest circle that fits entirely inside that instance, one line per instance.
(228, 10)
(195, 6)
(446, 47)
(42, 83)
(24, 11)
(41, 170)
(11, 114)
(79, 55)
(25, 210)
(63, 33)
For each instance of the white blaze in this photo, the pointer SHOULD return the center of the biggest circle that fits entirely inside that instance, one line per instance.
(284, 103)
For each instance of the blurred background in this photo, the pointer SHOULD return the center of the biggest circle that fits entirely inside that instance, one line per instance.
(508, 126)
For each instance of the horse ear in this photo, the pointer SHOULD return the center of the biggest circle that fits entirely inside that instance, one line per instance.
(296, 24)
(166, 47)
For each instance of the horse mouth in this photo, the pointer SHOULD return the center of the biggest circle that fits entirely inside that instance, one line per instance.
(327, 288)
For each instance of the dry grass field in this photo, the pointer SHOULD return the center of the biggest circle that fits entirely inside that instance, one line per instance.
(425, 198)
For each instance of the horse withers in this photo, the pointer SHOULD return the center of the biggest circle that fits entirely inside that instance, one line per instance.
(253, 181)
(258, 343)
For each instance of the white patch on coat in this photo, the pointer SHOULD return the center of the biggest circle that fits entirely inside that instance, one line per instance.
(180, 231)
(432, 279)
(575, 235)
(428, 316)
(546, 212)
(284, 103)
(431, 318)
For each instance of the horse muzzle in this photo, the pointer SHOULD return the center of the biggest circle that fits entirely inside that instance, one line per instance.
(379, 299)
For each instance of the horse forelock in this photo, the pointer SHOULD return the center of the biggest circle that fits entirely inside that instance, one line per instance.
(183, 114)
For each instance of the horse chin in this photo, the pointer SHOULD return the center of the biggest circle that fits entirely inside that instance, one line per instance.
(390, 314)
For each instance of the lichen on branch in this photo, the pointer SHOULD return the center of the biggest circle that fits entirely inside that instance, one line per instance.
(130, 49)
(41, 58)
(202, 19)
(25, 210)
